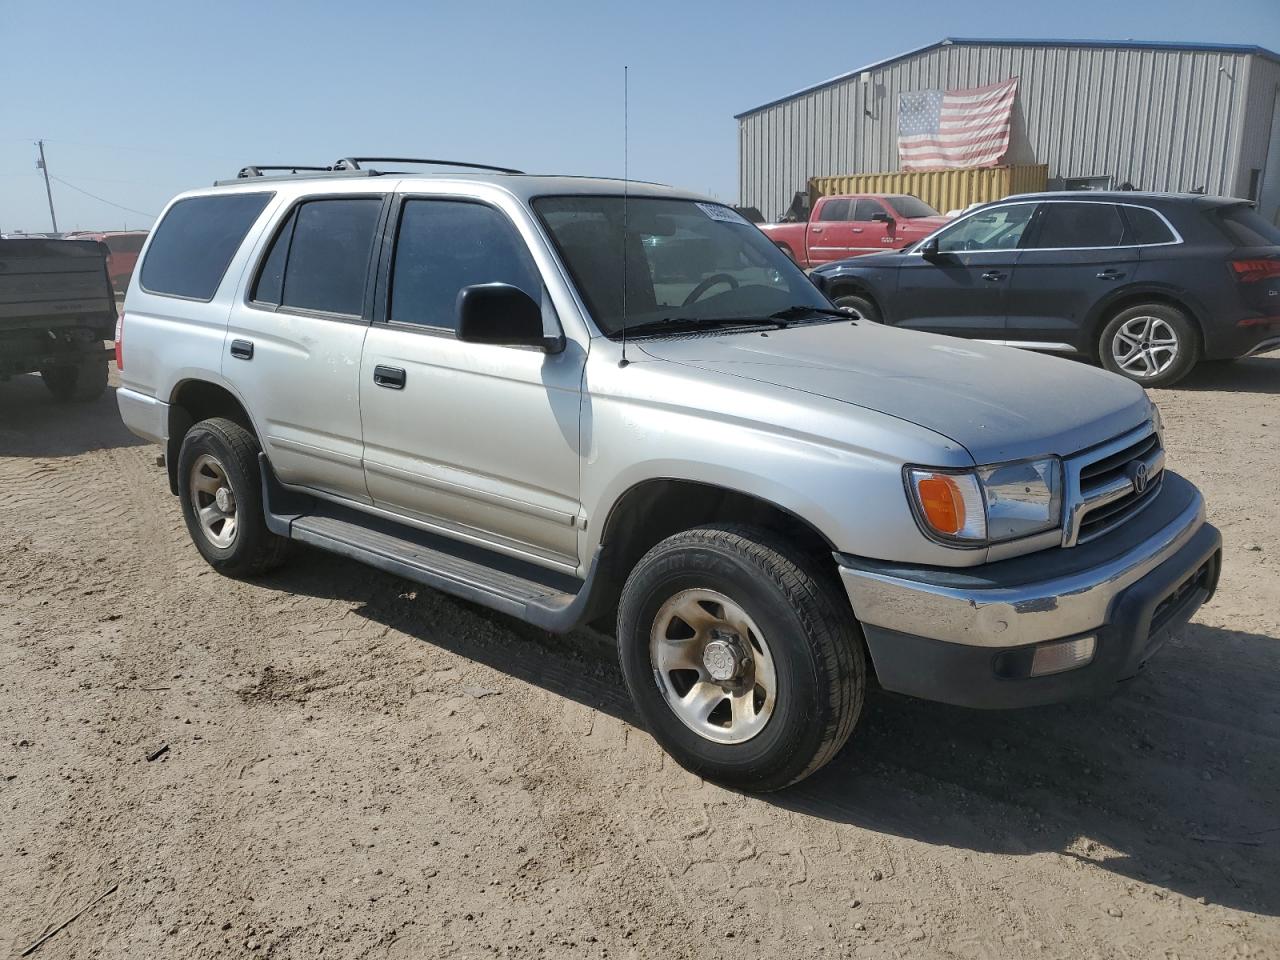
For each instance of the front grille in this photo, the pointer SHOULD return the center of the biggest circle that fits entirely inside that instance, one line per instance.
(1103, 488)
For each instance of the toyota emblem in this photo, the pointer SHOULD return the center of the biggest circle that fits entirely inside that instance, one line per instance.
(1138, 473)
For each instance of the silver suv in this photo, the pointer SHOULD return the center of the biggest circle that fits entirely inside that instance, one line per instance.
(567, 398)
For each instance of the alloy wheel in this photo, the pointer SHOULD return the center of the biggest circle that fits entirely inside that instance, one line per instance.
(1145, 347)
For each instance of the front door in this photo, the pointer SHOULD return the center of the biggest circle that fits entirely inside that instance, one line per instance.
(292, 348)
(961, 289)
(869, 234)
(477, 440)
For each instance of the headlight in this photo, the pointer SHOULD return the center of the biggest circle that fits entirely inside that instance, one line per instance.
(990, 504)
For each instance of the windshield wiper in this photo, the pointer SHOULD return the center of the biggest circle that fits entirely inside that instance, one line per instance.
(681, 324)
(800, 310)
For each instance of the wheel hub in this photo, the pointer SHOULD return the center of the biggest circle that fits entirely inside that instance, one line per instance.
(723, 658)
(225, 499)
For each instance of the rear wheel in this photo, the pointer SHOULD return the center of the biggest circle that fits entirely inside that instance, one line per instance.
(865, 306)
(220, 486)
(743, 659)
(1151, 343)
(80, 382)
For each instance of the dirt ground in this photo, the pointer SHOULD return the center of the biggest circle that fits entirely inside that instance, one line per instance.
(357, 767)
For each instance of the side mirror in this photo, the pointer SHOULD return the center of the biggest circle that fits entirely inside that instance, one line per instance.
(501, 314)
(929, 249)
(882, 217)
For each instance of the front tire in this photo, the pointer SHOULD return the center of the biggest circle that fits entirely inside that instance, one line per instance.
(744, 661)
(220, 486)
(1153, 344)
(864, 305)
(79, 382)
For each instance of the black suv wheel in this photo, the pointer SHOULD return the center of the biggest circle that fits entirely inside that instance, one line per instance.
(743, 660)
(1152, 343)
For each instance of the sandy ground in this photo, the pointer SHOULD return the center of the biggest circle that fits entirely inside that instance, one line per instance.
(357, 767)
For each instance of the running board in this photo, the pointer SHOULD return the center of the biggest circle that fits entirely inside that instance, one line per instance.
(544, 598)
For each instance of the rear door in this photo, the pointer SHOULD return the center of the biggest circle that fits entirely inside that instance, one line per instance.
(1075, 255)
(293, 343)
(829, 230)
(961, 290)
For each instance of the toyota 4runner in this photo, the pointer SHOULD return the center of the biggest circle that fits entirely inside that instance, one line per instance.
(566, 399)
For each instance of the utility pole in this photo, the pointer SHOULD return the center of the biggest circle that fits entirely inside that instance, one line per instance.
(48, 191)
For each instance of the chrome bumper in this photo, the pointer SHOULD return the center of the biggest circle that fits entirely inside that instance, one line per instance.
(143, 415)
(995, 616)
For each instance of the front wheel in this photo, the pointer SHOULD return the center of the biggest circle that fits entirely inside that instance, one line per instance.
(744, 661)
(220, 486)
(1151, 343)
(865, 307)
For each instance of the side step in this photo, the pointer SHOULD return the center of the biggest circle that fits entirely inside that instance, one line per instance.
(552, 601)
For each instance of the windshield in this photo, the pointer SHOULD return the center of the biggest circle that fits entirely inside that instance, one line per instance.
(908, 207)
(688, 260)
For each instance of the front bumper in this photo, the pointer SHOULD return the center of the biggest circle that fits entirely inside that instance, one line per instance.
(968, 636)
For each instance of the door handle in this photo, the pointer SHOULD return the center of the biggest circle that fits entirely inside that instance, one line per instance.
(993, 275)
(390, 377)
(857, 229)
(1110, 274)
(816, 229)
(242, 349)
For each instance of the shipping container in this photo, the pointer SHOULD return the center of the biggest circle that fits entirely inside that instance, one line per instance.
(944, 190)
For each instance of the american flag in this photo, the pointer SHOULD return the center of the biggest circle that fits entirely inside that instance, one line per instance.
(958, 128)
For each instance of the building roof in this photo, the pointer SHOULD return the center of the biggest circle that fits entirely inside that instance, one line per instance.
(1242, 49)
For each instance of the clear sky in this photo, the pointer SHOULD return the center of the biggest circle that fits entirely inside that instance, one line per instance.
(139, 99)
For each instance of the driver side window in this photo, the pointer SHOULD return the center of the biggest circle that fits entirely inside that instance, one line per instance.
(1000, 228)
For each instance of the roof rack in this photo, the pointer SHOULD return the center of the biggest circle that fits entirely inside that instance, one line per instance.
(347, 166)
(354, 163)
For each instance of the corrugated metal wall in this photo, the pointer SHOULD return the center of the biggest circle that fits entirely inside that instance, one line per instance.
(1160, 119)
(944, 190)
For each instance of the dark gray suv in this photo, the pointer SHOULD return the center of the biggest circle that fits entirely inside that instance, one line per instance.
(1147, 284)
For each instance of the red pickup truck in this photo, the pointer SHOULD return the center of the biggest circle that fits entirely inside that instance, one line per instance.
(851, 225)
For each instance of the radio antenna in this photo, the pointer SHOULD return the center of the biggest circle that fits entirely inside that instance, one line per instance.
(625, 171)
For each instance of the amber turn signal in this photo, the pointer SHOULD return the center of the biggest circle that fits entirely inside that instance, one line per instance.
(942, 503)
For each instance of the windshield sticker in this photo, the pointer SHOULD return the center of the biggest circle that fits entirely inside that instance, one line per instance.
(716, 212)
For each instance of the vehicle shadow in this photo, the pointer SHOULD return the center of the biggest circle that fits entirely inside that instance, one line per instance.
(1171, 782)
(34, 424)
(1251, 375)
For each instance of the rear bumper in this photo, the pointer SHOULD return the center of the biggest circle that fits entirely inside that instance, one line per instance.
(143, 415)
(969, 639)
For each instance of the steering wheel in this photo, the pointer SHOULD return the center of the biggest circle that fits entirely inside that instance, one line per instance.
(696, 293)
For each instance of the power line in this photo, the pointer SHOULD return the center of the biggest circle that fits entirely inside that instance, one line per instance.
(109, 203)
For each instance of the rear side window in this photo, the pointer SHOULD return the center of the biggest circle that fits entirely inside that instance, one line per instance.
(1246, 227)
(319, 259)
(195, 242)
(834, 210)
(1145, 227)
(445, 245)
(1079, 225)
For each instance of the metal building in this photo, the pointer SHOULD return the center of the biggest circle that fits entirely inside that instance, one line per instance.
(1160, 116)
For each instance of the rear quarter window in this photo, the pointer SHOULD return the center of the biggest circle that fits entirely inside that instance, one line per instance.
(1144, 227)
(194, 243)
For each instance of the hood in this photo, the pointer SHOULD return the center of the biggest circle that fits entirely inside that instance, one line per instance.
(1000, 403)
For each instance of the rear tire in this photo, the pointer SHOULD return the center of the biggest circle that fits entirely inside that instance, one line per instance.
(80, 382)
(1153, 344)
(778, 622)
(864, 305)
(220, 487)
